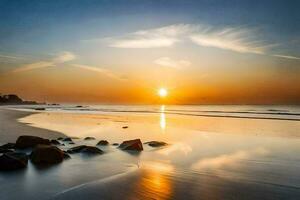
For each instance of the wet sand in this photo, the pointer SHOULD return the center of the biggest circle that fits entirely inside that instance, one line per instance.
(207, 158)
(11, 129)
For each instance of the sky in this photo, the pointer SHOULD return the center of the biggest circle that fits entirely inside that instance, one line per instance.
(122, 52)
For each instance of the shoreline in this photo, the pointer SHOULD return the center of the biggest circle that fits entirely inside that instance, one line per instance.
(11, 128)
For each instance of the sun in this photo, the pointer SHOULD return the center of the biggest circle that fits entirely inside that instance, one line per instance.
(162, 92)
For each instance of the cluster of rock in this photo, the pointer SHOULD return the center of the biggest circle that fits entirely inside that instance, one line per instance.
(45, 152)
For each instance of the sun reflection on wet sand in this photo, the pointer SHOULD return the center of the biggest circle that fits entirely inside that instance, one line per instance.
(154, 183)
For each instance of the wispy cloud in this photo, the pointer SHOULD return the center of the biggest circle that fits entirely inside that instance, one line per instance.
(61, 58)
(168, 62)
(240, 40)
(102, 71)
(152, 38)
(237, 39)
(288, 57)
(10, 57)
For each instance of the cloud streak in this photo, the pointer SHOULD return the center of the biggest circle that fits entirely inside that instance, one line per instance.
(168, 62)
(102, 71)
(152, 38)
(236, 39)
(61, 58)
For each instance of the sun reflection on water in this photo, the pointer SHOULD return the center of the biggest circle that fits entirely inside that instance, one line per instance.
(162, 120)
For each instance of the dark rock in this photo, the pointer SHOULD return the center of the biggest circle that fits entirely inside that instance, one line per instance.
(71, 143)
(5, 150)
(85, 149)
(26, 141)
(8, 146)
(135, 145)
(115, 144)
(89, 138)
(125, 127)
(67, 139)
(103, 142)
(60, 138)
(13, 161)
(40, 109)
(46, 154)
(156, 143)
(66, 155)
(92, 150)
(55, 142)
(76, 149)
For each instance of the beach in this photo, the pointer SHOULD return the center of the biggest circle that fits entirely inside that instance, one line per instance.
(233, 153)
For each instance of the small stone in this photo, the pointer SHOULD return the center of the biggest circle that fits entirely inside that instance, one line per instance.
(103, 142)
(89, 138)
(134, 145)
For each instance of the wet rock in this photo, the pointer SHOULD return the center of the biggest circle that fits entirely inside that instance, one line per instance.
(5, 150)
(13, 161)
(26, 141)
(46, 154)
(55, 142)
(76, 149)
(40, 109)
(66, 155)
(89, 138)
(103, 142)
(92, 150)
(134, 145)
(124, 127)
(115, 144)
(67, 139)
(8, 146)
(156, 143)
(85, 149)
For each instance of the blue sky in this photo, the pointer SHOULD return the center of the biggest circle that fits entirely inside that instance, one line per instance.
(233, 39)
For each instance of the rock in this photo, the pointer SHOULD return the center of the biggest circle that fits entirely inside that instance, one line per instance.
(76, 149)
(85, 149)
(71, 143)
(125, 127)
(8, 146)
(135, 145)
(5, 150)
(89, 138)
(60, 138)
(67, 139)
(103, 142)
(115, 144)
(40, 109)
(26, 141)
(55, 142)
(66, 155)
(156, 143)
(91, 150)
(46, 154)
(13, 161)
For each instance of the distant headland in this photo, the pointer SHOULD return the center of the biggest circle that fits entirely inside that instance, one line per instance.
(12, 99)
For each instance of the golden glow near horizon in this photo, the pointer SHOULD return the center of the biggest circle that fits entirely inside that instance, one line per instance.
(163, 92)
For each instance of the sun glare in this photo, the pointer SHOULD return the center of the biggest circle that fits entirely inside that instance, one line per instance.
(162, 92)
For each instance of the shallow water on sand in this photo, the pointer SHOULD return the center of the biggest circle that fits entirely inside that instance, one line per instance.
(241, 156)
